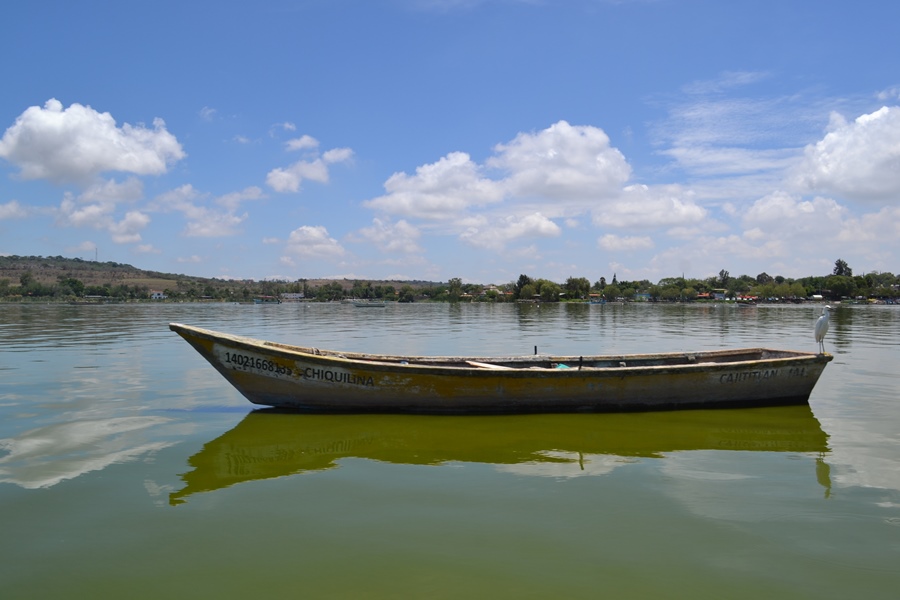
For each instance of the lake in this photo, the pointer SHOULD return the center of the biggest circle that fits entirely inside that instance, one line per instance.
(130, 468)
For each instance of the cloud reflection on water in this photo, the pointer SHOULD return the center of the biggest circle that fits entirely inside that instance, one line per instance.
(45, 456)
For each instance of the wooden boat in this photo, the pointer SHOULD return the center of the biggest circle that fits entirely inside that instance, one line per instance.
(271, 443)
(281, 375)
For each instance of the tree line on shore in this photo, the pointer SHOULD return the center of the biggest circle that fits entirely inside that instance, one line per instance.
(61, 279)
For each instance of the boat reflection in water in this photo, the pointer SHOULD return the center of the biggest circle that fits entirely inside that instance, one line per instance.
(269, 443)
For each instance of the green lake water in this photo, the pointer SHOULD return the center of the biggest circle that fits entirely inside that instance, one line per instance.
(130, 469)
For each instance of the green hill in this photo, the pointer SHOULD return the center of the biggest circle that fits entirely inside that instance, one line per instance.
(57, 277)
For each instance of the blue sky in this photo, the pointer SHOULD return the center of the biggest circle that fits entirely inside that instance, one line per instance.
(430, 139)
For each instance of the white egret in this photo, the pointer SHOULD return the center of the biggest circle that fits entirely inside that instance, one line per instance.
(822, 328)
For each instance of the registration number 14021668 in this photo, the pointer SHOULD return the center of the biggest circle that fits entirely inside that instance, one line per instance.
(246, 362)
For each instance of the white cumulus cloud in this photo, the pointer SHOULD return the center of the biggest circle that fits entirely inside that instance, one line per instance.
(303, 142)
(399, 237)
(559, 170)
(782, 214)
(438, 191)
(562, 162)
(792, 228)
(312, 167)
(77, 143)
(128, 229)
(233, 200)
(97, 206)
(12, 210)
(509, 229)
(646, 207)
(313, 242)
(557, 173)
(858, 160)
(202, 220)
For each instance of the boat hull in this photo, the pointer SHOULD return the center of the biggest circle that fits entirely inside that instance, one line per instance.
(308, 379)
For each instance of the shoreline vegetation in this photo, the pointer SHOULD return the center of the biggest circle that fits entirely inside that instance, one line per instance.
(73, 280)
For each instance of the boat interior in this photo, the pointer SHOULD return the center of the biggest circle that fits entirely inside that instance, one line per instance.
(539, 361)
